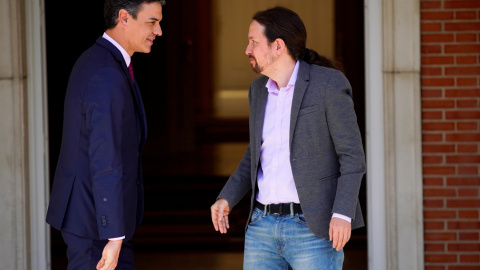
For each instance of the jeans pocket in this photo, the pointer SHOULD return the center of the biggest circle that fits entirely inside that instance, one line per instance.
(300, 218)
(256, 215)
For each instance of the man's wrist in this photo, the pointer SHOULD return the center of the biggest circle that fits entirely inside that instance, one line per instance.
(342, 217)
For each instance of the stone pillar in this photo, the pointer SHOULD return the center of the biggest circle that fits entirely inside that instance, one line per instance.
(394, 173)
(24, 237)
(14, 229)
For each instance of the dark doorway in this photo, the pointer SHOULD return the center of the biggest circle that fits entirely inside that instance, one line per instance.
(176, 84)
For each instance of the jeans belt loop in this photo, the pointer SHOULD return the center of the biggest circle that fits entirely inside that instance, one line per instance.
(291, 210)
(265, 210)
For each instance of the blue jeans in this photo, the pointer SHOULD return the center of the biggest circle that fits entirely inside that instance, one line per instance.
(285, 242)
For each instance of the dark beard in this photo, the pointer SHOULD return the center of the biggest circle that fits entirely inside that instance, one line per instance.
(257, 69)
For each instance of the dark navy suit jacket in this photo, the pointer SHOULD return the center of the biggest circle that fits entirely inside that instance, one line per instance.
(97, 191)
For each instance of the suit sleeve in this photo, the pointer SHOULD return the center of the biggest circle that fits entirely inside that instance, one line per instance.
(240, 182)
(105, 103)
(342, 123)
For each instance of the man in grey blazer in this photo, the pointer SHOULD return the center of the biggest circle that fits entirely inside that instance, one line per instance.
(305, 160)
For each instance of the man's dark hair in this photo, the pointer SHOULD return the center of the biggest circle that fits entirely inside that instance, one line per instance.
(112, 7)
(283, 23)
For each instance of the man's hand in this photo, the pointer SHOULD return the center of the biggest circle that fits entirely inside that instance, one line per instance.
(340, 232)
(220, 210)
(110, 255)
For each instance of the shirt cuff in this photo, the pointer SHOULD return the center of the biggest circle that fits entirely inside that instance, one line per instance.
(117, 238)
(342, 217)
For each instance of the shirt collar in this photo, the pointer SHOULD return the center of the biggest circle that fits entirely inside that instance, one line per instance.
(120, 48)
(272, 85)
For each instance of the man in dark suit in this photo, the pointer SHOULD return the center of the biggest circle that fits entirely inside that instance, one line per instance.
(97, 195)
(305, 160)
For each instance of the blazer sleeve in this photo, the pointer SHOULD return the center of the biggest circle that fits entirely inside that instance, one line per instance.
(342, 123)
(105, 103)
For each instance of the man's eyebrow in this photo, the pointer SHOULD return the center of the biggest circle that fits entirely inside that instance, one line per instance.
(154, 19)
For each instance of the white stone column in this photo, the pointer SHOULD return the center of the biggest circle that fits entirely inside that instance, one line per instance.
(394, 175)
(24, 236)
(14, 227)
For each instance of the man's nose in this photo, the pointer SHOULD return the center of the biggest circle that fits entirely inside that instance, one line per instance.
(158, 31)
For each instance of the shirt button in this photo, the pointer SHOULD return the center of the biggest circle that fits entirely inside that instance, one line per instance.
(138, 182)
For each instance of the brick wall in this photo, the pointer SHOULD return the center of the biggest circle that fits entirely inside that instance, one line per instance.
(451, 133)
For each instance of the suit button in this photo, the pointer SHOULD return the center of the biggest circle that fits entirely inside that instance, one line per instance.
(138, 182)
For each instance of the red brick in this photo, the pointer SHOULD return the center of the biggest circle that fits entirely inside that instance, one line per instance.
(464, 247)
(440, 258)
(467, 125)
(438, 103)
(437, 38)
(467, 148)
(438, 148)
(440, 215)
(466, 37)
(463, 137)
(432, 115)
(465, 15)
(466, 81)
(463, 267)
(439, 192)
(438, 82)
(467, 103)
(463, 93)
(431, 49)
(467, 214)
(431, 27)
(468, 192)
(433, 203)
(433, 93)
(434, 247)
(432, 137)
(434, 267)
(462, 4)
(469, 258)
(462, 26)
(433, 181)
(436, 15)
(462, 159)
(433, 225)
(463, 225)
(430, 4)
(468, 203)
(432, 159)
(471, 70)
(463, 114)
(468, 170)
(437, 60)
(438, 170)
(466, 60)
(438, 126)
(431, 71)
(463, 181)
(468, 236)
(462, 48)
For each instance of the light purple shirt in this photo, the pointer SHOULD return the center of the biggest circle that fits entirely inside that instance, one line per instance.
(275, 177)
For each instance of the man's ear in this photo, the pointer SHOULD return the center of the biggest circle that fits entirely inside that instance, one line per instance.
(123, 17)
(279, 45)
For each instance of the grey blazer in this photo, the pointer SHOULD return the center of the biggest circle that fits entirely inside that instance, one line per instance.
(326, 151)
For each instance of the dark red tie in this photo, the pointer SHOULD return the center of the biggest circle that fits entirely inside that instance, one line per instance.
(130, 68)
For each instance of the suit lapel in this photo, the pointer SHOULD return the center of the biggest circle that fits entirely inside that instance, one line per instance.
(133, 86)
(300, 86)
(261, 95)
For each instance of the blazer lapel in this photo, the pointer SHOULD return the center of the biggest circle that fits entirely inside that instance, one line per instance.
(301, 85)
(261, 96)
(133, 85)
